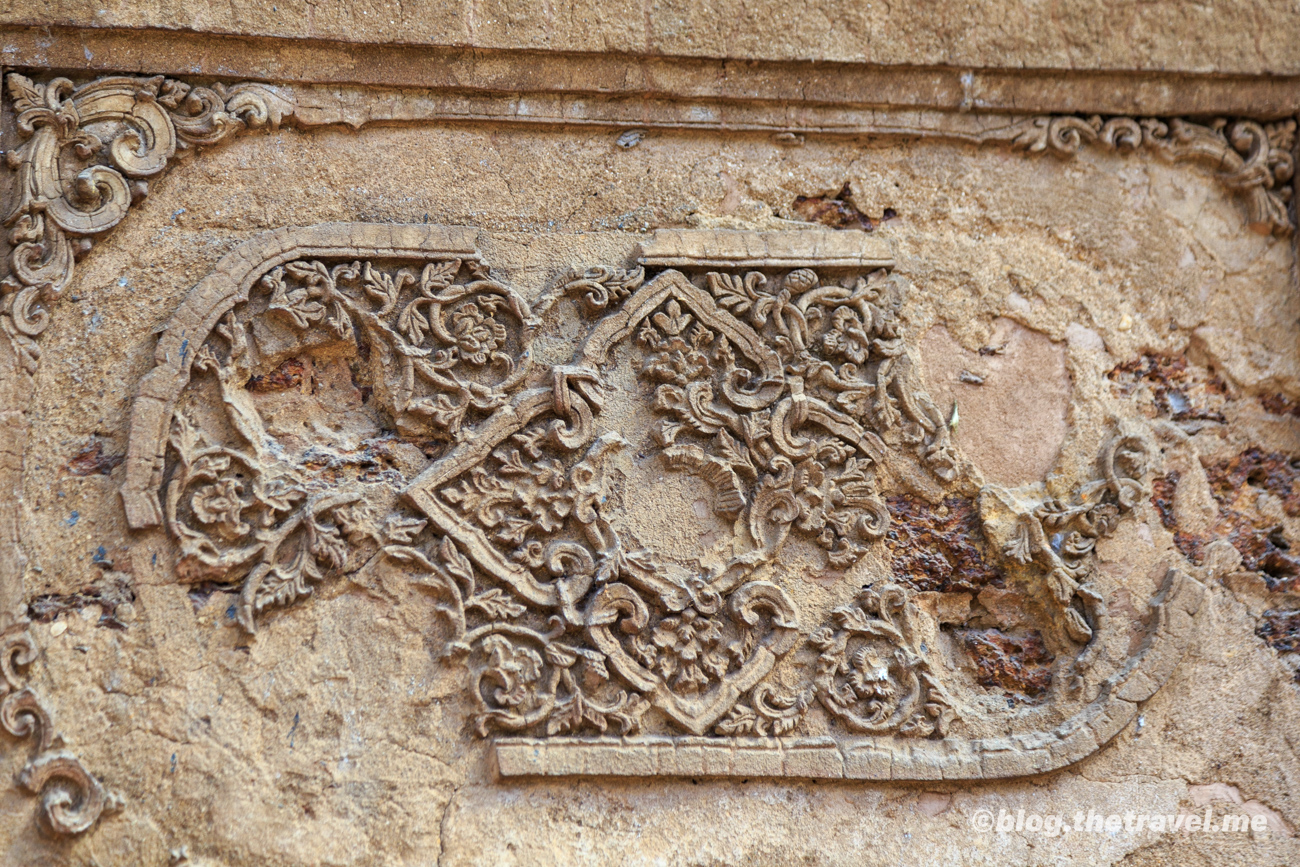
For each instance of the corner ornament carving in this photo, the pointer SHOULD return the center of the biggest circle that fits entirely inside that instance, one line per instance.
(1254, 160)
(87, 156)
(773, 369)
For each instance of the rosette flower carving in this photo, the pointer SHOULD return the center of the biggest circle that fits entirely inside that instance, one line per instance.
(686, 653)
(872, 675)
(847, 337)
(220, 504)
(477, 334)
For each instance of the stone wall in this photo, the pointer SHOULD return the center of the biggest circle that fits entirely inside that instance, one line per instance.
(552, 435)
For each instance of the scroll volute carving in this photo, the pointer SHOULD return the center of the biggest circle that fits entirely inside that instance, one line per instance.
(72, 799)
(1254, 160)
(87, 154)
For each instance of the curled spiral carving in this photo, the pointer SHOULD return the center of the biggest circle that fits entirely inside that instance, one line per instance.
(1124, 134)
(1253, 160)
(72, 799)
(1068, 135)
(22, 715)
(53, 219)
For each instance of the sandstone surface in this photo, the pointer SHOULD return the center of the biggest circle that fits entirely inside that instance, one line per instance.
(690, 435)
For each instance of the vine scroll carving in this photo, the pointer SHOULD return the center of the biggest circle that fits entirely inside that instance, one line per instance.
(774, 371)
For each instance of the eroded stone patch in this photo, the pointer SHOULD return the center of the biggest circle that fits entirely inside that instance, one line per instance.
(1018, 374)
(1255, 492)
(1273, 472)
(1169, 386)
(1280, 404)
(1017, 662)
(939, 547)
(1281, 630)
(111, 592)
(838, 211)
(92, 460)
(1250, 488)
(289, 375)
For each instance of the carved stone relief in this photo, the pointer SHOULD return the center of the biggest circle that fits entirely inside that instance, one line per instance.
(86, 157)
(1256, 160)
(72, 799)
(770, 370)
(89, 151)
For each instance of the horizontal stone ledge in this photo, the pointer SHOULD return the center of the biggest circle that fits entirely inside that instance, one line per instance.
(730, 248)
(881, 759)
(802, 83)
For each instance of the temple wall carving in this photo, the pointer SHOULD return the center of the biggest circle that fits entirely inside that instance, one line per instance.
(481, 456)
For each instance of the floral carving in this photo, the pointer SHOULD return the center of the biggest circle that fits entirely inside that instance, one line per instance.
(446, 348)
(767, 713)
(521, 495)
(684, 650)
(847, 338)
(873, 674)
(847, 381)
(477, 335)
(598, 286)
(57, 212)
(526, 678)
(458, 357)
(785, 390)
(520, 677)
(220, 504)
(242, 512)
(1060, 536)
(696, 662)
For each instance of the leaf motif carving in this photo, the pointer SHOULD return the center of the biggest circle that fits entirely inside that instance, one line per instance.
(296, 304)
(403, 530)
(496, 604)
(25, 94)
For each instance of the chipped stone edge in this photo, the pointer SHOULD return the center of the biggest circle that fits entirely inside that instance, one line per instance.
(885, 759)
